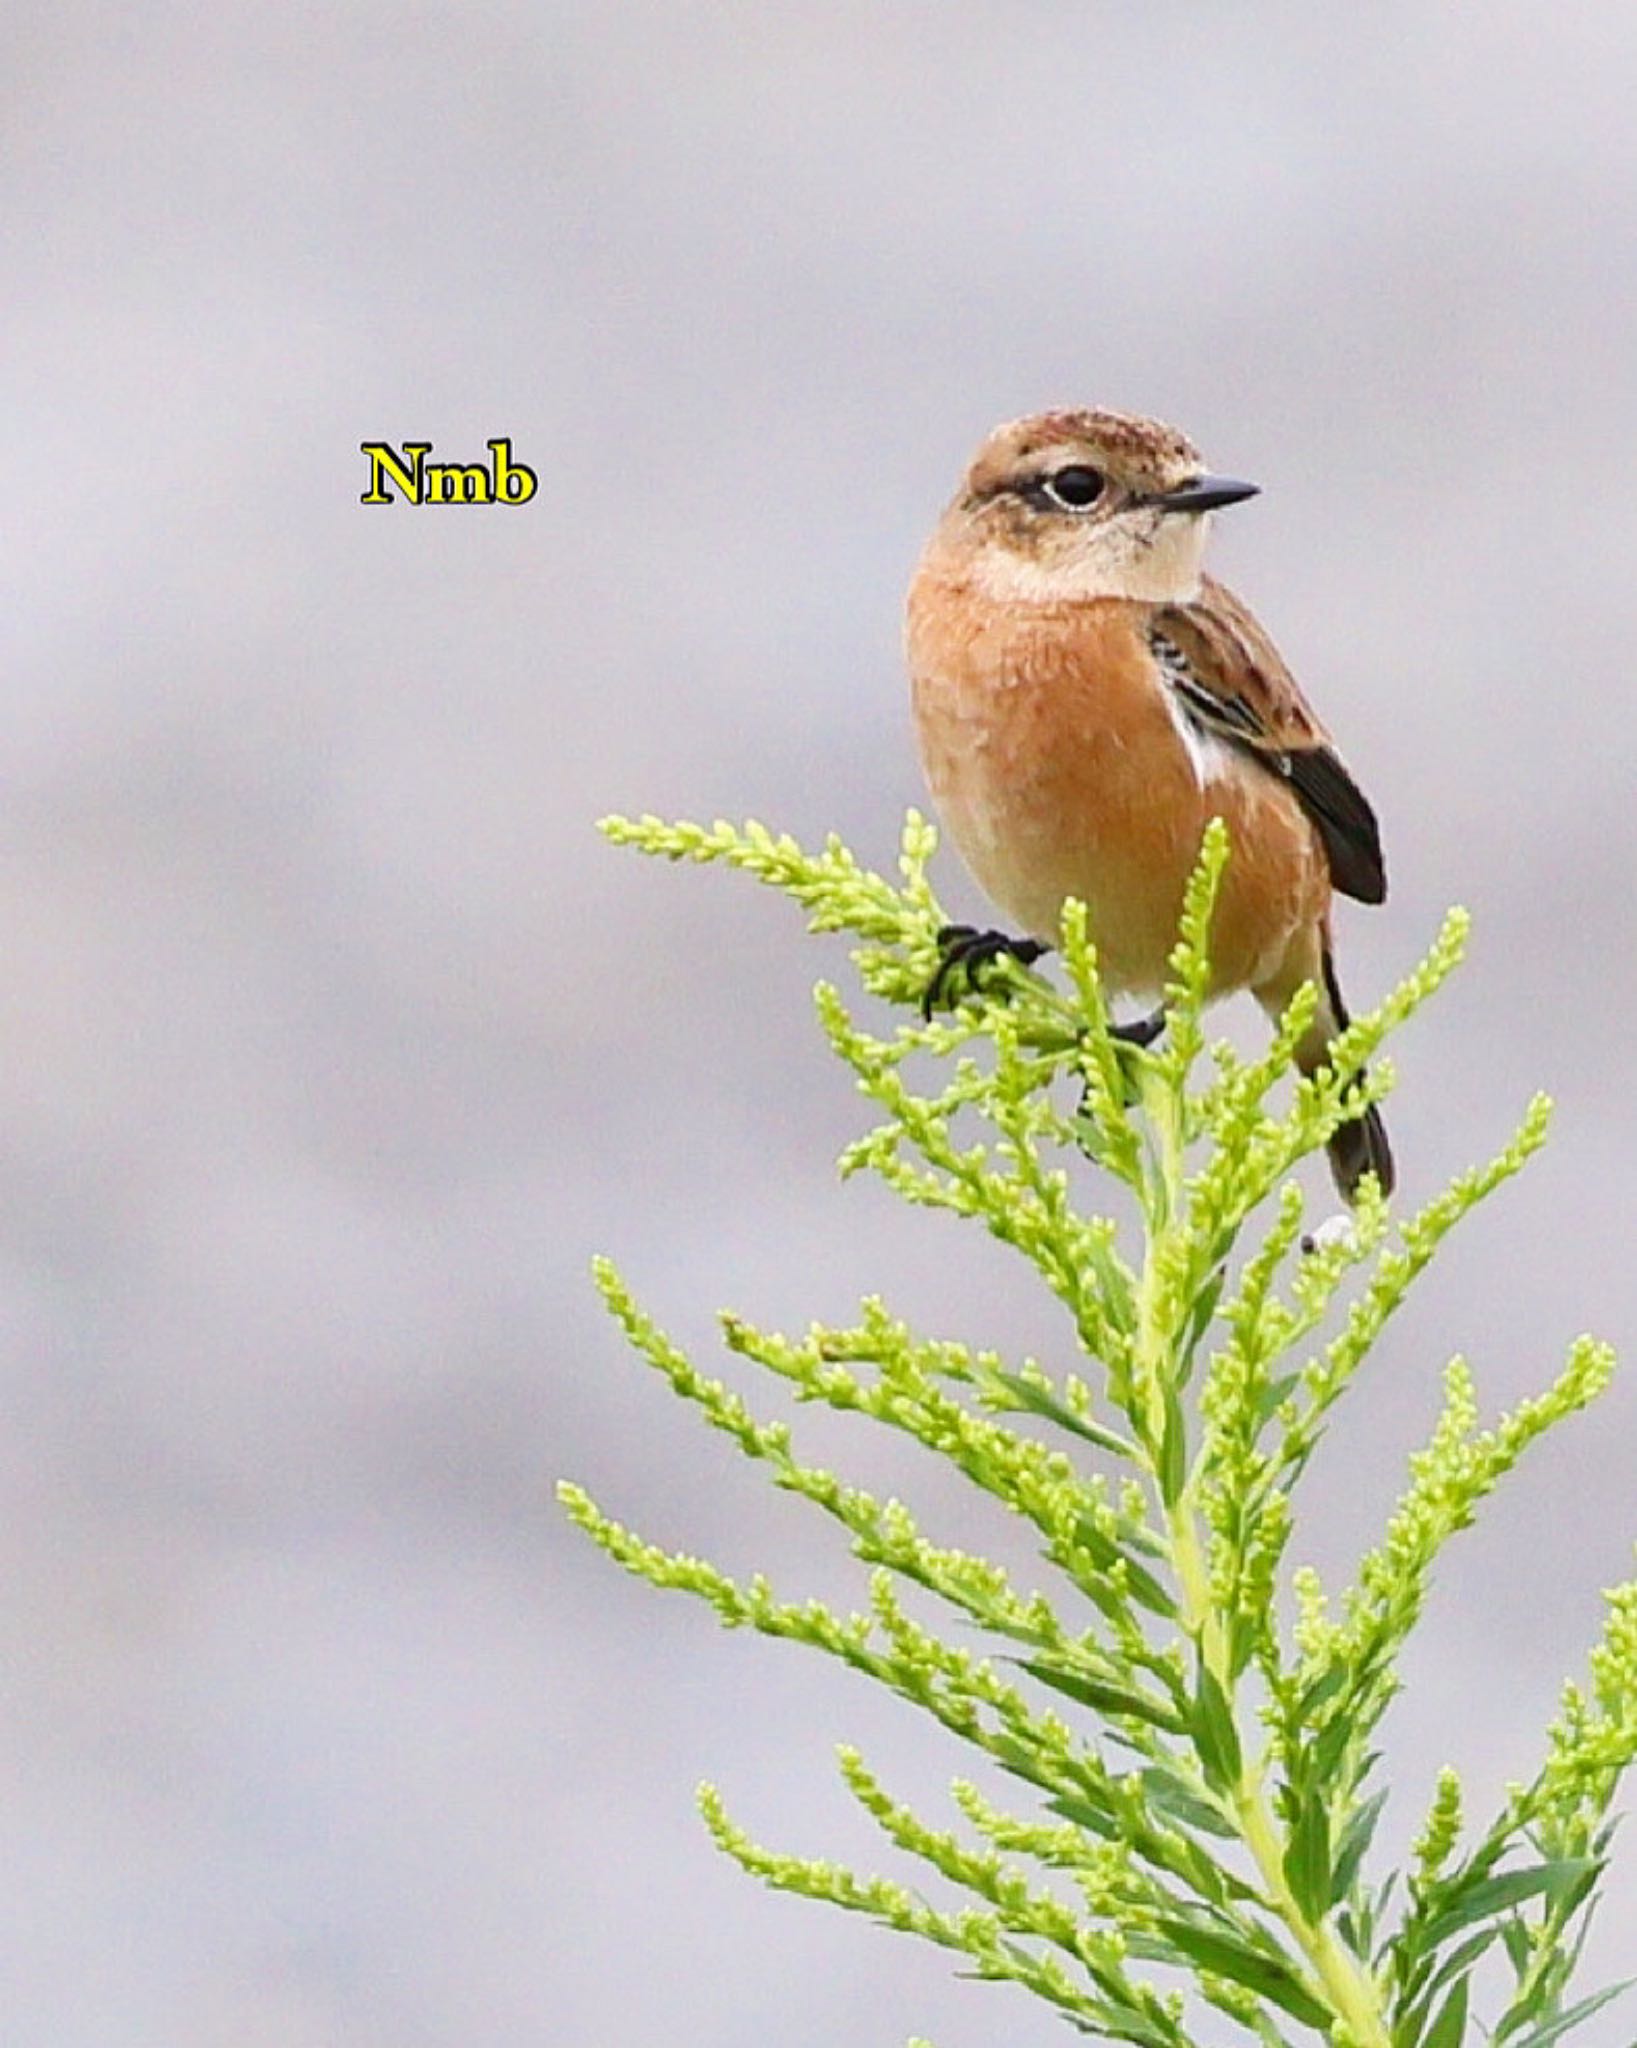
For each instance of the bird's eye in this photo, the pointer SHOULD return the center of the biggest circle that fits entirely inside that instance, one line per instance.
(1074, 487)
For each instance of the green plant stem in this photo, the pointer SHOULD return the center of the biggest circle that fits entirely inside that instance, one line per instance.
(1346, 1985)
(1187, 1534)
(1348, 1988)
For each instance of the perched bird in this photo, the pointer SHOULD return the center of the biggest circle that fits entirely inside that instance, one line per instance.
(1086, 698)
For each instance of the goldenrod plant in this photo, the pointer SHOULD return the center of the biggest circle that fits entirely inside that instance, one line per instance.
(1201, 1782)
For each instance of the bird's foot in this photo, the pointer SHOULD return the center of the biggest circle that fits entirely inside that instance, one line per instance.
(1140, 1033)
(962, 950)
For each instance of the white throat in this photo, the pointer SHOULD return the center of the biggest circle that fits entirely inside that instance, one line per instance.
(1150, 559)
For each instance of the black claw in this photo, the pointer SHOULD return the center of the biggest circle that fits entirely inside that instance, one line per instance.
(962, 949)
(1143, 1032)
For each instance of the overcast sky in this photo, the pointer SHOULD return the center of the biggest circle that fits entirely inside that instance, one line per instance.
(336, 1042)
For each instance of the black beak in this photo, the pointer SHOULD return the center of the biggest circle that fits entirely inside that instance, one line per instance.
(1204, 494)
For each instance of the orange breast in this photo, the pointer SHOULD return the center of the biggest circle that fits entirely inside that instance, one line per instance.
(1059, 768)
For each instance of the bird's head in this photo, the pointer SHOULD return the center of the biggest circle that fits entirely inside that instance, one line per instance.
(1063, 506)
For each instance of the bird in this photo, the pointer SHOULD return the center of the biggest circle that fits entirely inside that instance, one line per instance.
(1086, 697)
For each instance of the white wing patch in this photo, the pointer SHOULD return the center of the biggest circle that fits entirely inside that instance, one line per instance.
(1207, 753)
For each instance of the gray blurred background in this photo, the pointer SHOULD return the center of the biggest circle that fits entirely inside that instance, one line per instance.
(335, 1041)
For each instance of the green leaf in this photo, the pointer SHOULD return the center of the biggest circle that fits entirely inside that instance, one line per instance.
(1096, 1820)
(1173, 1462)
(1307, 1857)
(1355, 1932)
(1573, 1897)
(1355, 1841)
(1181, 1802)
(1026, 1394)
(1113, 1284)
(1274, 1395)
(1124, 2022)
(1105, 1695)
(1200, 1321)
(1461, 1958)
(1246, 1634)
(1215, 1736)
(1141, 1583)
(1224, 1956)
(1446, 2031)
(1542, 2037)
(1498, 1894)
(1214, 1884)
(1330, 1747)
(1022, 1761)
(1320, 1693)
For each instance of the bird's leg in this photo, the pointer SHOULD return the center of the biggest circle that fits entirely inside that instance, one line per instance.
(1136, 1036)
(1142, 1032)
(962, 949)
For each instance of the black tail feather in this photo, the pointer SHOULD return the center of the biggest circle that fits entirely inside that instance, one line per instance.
(1358, 1148)
(1361, 1146)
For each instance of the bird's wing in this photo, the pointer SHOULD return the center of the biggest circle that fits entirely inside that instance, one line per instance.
(1232, 681)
